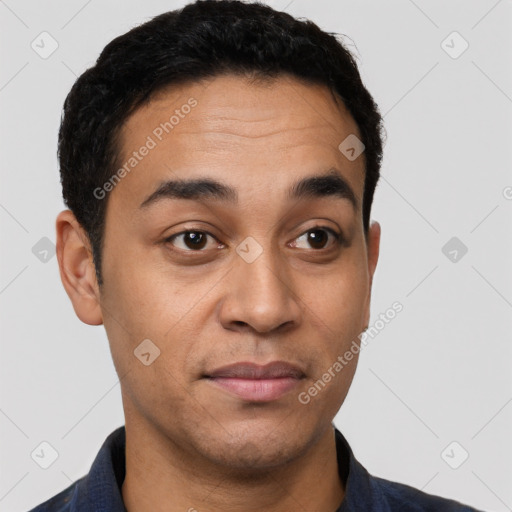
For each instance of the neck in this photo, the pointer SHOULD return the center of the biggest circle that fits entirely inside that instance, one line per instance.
(161, 476)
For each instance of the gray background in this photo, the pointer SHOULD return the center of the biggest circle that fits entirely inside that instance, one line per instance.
(439, 372)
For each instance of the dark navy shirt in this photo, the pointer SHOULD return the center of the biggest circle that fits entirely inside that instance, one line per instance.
(100, 489)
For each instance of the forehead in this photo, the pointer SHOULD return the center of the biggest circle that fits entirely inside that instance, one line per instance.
(246, 133)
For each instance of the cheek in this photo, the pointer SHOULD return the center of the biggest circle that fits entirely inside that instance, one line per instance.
(138, 307)
(335, 307)
(145, 300)
(339, 300)
(149, 334)
(149, 301)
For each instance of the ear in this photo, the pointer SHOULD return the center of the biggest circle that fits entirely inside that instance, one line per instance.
(76, 268)
(373, 246)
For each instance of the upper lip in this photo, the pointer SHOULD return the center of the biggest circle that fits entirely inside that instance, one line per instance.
(248, 370)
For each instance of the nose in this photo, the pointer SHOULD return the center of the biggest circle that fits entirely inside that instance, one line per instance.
(259, 295)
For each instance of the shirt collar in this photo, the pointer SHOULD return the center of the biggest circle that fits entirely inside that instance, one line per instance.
(361, 492)
(100, 490)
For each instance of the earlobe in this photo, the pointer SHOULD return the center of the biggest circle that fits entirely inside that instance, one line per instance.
(76, 268)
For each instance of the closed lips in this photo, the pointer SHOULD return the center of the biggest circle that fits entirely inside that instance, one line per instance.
(248, 370)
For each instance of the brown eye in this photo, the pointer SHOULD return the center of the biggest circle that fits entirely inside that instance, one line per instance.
(190, 240)
(317, 238)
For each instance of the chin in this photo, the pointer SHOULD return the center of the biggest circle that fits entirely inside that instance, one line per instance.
(251, 451)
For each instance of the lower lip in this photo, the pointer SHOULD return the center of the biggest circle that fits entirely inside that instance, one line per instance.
(257, 390)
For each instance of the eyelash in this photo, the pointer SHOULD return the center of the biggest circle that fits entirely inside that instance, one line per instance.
(338, 237)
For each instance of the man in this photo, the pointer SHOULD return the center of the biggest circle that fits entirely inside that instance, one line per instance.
(219, 163)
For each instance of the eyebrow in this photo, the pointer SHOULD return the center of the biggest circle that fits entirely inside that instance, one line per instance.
(330, 184)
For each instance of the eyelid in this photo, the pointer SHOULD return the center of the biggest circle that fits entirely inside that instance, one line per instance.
(170, 238)
(338, 237)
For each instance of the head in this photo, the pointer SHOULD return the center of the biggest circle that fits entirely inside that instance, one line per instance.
(215, 211)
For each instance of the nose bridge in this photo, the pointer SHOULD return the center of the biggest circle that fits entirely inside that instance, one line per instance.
(260, 294)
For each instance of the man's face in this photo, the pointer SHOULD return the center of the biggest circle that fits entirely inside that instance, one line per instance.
(213, 297)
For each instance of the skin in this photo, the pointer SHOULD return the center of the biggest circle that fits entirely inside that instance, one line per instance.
(191, 445)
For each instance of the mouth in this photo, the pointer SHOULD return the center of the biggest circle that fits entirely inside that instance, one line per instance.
(257, 383)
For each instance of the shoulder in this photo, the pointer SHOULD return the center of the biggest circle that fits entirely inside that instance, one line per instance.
(401, 497)
(61, 502)
(98, 489)
(365, 491)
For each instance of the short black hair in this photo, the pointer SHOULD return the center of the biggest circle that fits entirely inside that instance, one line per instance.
(202, 40)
